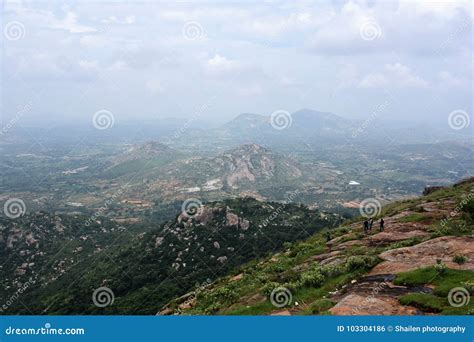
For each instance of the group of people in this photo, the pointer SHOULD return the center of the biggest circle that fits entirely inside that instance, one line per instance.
(367, 228)
(368, 225)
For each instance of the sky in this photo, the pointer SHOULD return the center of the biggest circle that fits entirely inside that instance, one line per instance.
(66, 60)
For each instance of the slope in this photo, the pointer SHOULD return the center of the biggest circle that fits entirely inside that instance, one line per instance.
(422, 263)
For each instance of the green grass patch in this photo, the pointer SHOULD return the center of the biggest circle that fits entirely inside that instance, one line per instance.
(429, 275)
(414, 218)
(424, 301)
(321, 306)
(444, 282)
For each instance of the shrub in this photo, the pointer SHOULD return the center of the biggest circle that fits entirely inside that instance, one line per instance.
(313, 278)
(459, 259)
(362, 262)
(331, 271)
(226, 294)
(212, 309)
(440, 266)
(269, 287)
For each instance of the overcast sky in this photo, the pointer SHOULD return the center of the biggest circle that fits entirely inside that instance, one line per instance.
(155, 59)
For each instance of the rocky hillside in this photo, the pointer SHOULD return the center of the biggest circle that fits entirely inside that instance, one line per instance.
(39, 248)
(247, 167)
(145, 270)
(422, 263)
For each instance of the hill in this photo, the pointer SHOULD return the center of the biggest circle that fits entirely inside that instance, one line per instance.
(141, 158)
(142, 270)
(422, 263)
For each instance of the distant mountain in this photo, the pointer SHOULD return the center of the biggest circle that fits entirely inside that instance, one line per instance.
(248, 121)
(304, 125)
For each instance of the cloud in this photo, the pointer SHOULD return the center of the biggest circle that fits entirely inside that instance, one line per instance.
(130, 19)
(294, 54)
(221, 66)
(70, 24)
(394, 75)
(380, 29)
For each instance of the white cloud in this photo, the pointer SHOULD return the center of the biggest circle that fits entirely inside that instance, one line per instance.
(394, 75)
(130, 19)
(221, 66)
(69, 23)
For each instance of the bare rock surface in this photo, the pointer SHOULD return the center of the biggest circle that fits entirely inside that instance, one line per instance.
(426, 254)
(354, 304)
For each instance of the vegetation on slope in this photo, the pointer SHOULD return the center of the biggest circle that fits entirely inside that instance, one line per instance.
(314, 273)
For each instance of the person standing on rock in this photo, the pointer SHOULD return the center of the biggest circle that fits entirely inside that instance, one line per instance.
(382, 222)
(366, 227)
(371, 222)
(328, 236)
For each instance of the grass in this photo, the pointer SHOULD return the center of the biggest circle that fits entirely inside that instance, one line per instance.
(414, 218)
(424, 301)
(444, 282)
(321, 306)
